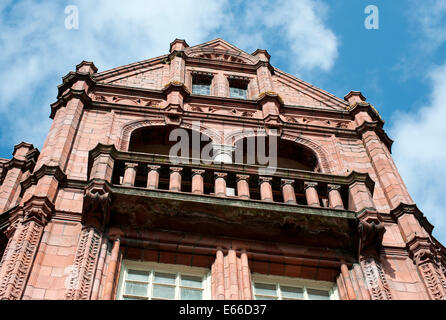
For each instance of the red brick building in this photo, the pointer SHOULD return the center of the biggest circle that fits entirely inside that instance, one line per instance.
(102, 212)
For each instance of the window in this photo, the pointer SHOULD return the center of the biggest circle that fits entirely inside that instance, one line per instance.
(285, 288)
(238, 88)
(156, 281)
(201, 84)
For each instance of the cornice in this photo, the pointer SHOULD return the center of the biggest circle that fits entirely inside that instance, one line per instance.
(269, 96)
(365, 107)
(176, 86)
(377, 128)
(67, 96)
(44, 170)
(73, 77)
(404, 208)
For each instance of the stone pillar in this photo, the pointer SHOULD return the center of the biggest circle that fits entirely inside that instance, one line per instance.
(415, 230)
(111, 271)
(243, 186)
(221, 85)
(311, 194)
(129, 174)
(231, 276)
(263, 72)
(153, 176)
(289, 196)
(359, 197)
(266, 191)
(377, 144)
(220, 184)
(15, 168)
(197, 181)
(334, 197)
(175, 179)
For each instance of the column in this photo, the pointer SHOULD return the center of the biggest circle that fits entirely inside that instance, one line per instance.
(175, 179)
(153, 177)
(311, 194)
(289, 196)
(243, 186)
(197, 181)
(266, 191)
(220, 184)
(129, 174)
(334, 196)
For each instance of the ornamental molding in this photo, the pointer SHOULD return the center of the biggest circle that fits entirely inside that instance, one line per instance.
(376, 127)
(66, 97)
(404, 208)
(71, 78)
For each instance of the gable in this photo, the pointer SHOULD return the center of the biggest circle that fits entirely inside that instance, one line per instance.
(296, 92)
(219, 49)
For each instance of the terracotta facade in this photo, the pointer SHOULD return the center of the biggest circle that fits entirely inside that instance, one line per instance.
(99, 193)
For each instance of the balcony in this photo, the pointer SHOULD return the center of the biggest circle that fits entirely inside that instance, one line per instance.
(230, 199)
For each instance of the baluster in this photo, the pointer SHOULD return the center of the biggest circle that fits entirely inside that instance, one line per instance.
(311, 194)
(175, 179)
(243, 186)
(197, 181)
(334, 196)
(153, 177)
(129, 174)
(266, 191)
(220, 184)
(289, 196)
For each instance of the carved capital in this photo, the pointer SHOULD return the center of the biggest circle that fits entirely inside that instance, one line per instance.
(287, 181)
(421, 250)
(242, 177)
(197, 172)
(38, 209)
(218, 175)
(308, 184)
(370, 238)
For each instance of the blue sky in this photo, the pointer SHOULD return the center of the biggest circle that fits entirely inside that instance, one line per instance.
(400, 68)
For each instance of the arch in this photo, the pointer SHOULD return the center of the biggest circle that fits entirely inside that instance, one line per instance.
(130, 127)
(320, 153)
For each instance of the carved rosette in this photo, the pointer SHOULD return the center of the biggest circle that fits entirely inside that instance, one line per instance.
(371, 233)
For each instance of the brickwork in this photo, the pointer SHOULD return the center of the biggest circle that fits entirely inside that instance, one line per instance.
(70, 215)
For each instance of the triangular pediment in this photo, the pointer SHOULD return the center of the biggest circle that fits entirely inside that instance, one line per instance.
(218, 49)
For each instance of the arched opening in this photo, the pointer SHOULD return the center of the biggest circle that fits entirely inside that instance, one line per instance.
(162, 140)
(278, 153)
(257, 150)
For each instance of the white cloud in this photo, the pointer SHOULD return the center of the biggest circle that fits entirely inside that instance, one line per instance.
(420, 152)
(37, 50)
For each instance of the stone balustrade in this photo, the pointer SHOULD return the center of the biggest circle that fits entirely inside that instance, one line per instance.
(236, 181)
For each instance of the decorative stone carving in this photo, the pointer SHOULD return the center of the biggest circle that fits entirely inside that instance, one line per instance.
(370, 238)
(17, 260)
(376, 279)
(83, 270)
(96, 209)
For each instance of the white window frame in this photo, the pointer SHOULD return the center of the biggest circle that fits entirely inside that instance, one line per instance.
(176, 269)
(305, 284)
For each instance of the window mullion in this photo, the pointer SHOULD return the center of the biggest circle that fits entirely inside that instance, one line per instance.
(150, 286)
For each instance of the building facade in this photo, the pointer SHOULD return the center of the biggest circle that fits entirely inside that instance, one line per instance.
(104, 211)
